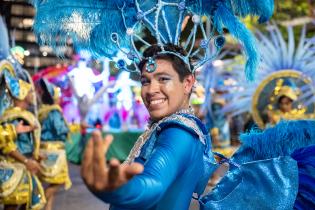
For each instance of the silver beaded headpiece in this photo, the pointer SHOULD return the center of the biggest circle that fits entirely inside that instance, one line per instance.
(160, 29)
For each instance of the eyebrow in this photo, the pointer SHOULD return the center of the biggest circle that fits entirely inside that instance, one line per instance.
(158, 74)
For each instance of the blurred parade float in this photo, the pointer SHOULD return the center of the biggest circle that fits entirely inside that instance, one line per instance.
(95, 95)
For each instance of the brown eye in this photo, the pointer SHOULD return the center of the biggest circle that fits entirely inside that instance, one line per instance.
(144, 81)
(164, 79)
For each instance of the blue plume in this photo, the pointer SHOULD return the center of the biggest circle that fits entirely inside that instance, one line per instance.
(242, 8)
(4, 41)
(224, 18)
(88, 23)
(281, 140)
(262, 9)
(225, 14)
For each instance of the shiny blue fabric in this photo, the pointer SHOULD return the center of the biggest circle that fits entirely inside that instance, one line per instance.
(54, 127)
(271, 171)
(24, 141)
(305, 158)
(12, 84)
(261, 168)
(266, 184)
(5, 174)
(173, 161)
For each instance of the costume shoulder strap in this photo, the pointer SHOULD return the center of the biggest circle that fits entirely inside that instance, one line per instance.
(187, 122)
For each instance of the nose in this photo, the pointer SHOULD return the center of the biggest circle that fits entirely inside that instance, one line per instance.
(153, 88)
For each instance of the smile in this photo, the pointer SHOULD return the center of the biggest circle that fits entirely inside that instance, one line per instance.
(156, 101)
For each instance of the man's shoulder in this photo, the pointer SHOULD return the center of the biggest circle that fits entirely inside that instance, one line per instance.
(183, 124)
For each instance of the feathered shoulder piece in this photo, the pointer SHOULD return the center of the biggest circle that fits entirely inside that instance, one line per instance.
(280, 140)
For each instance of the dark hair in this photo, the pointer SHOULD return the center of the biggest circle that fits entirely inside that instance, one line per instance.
(46, 98)
(178, 64)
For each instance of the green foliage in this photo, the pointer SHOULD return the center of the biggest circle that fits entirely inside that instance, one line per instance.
(289, 9)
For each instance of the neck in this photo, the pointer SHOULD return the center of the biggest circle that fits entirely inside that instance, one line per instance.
(185, 106)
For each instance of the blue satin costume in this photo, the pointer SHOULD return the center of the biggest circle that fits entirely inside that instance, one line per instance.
(54, 133)
(54, 127)
(281, 177)
(273, 169)
(167, 181)
(24, 141)
(26, 144)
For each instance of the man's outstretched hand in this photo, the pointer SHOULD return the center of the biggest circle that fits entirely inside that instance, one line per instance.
(97, 174)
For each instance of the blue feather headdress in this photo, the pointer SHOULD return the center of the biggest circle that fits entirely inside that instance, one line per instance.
(104, 27)
(277, 55)
(4, 41)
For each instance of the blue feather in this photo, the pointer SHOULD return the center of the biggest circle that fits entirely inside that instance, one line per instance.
(281, 140)
(88, 23)
(262, 9)
(242, 8)
(291, 46)
(4, 40)
(224, 18)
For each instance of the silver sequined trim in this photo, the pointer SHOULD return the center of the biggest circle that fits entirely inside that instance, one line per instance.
(135, 151)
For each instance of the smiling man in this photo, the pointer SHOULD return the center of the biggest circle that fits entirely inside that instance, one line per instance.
(172, 159)
(167, 89)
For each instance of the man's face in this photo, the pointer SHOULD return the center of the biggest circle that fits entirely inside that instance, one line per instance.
(285, 104)
(162, 91)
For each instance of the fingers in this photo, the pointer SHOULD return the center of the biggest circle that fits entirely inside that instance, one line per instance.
(27, 129)
(19, 126)
(113, 173)
(34, 167)
(132, 170)
(38, 168)
(99, 161)
(87, 168)
(94, 170)
(107, 142)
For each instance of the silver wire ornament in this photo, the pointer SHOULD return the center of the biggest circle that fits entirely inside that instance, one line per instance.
(202, 51)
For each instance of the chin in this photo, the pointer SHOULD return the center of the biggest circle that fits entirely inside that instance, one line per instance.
(156, 115)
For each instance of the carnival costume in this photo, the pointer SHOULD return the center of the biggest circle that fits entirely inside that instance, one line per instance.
(18, 186)
(294, 114)
(285, 70)
(160, 186)
(175, 151)
(54, 133)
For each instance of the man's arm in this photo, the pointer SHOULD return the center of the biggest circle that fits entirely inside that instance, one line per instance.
(171, 156)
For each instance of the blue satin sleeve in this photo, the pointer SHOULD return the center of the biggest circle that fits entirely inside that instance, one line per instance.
(54, 127)
(174, 151)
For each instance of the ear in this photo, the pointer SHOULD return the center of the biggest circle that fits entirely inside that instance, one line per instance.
(189, 82)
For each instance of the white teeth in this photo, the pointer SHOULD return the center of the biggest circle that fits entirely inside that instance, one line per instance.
(153, 102)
